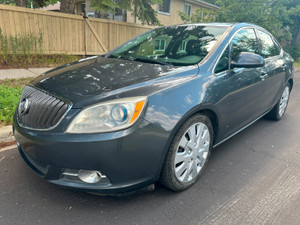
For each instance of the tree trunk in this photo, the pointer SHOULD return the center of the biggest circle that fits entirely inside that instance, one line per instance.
(67, 6)
(21, 3)
(135, 13)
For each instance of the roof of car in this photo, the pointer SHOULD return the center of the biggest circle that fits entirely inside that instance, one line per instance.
(215, 24)
(203, 24)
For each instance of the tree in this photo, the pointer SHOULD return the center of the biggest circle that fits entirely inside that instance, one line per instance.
(201, 15)
(293, 9)
(7, 2)
(27, 4)
(67, 6)
(280, 17)
(42, 3)
(142, 9)
(21, 3)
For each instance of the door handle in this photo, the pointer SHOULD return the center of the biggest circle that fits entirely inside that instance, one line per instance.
(263, 76)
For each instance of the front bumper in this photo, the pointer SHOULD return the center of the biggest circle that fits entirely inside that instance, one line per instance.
(130, 159)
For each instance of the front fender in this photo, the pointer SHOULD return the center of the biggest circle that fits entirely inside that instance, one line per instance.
(169, 109)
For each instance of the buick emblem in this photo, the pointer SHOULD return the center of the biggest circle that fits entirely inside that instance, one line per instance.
(24, 106)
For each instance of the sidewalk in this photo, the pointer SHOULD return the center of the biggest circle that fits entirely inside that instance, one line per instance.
(6, 134)
(19, 73)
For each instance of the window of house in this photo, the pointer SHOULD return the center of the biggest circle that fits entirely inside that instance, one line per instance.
(268, 47)
(244, 41)
(182, 47)
(164, 7)
(187, 9)
(160, 45)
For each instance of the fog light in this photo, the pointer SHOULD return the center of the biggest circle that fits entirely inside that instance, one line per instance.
(90, 176)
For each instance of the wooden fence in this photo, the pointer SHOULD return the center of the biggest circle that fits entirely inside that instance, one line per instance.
(67, 33)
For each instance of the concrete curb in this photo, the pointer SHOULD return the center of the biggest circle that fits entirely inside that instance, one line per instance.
(10, 147)
(6, 134)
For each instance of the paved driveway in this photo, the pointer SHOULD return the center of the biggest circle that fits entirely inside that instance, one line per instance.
(253, 178)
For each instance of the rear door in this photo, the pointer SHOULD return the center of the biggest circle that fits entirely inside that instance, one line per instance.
(274, 69)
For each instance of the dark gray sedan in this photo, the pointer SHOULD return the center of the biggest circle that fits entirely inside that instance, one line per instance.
(152, 109)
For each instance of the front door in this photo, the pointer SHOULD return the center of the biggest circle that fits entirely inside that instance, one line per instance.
(246, 85)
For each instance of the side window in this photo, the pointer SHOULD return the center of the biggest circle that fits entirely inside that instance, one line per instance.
(223, 63)
(244, 41)
(269, 49)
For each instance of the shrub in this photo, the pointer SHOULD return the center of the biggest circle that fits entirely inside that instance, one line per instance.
(9, 98)
(10, 92)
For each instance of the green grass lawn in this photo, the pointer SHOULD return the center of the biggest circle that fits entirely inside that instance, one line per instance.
(297, 63)
(10, 91)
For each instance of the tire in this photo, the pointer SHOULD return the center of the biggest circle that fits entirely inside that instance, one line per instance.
(279, 109)
(190, 156)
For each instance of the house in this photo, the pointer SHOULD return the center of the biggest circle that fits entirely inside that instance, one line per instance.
(54, 7)
(167, 12)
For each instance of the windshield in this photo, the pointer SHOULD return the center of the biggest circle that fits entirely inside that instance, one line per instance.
(177, 45)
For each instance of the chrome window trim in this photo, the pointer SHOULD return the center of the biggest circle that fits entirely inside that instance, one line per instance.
(217, 61)
(273, 39)
(226, 32)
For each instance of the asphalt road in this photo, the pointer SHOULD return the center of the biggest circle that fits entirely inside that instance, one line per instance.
(253, 178)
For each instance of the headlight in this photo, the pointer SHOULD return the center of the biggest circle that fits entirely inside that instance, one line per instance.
(108, 116)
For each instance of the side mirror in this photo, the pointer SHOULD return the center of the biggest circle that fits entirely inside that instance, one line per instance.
(248, 60)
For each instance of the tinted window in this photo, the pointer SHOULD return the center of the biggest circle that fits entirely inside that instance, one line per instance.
(268, 47)
(178, 45)
(244, 41)
(222, 65)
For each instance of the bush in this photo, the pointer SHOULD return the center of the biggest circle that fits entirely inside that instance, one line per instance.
(293, 50)
(9, 98)
(10, 92)
(26, 50)
(24, 44)
(35, 61)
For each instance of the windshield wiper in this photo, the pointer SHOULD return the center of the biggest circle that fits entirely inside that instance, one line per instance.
(149, 60)
(140, 59)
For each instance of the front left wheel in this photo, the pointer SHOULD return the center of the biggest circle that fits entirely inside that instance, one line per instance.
(188, 153)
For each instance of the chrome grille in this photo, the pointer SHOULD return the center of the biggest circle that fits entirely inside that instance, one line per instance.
(43, 111)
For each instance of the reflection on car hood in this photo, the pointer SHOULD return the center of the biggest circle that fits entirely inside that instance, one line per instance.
(98, 75)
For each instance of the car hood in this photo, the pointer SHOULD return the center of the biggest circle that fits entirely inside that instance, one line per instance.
(82, 82)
